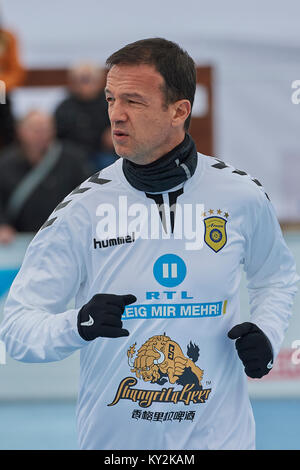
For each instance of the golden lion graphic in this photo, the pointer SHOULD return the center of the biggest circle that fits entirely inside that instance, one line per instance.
(160, 357)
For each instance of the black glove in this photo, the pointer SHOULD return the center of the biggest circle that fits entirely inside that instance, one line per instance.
(101, 316)
(254, 349)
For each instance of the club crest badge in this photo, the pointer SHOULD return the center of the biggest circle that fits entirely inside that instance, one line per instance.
(215, 235)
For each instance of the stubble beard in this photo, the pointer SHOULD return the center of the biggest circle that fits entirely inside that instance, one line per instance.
(142, 155)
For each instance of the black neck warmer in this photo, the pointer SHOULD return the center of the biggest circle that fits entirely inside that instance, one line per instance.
(170, 170)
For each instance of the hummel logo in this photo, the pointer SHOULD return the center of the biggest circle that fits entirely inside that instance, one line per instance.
(114, 241)
(270, 365)
(90, 322)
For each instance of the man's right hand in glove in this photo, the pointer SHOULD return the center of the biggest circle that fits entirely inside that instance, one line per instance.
(101, 316)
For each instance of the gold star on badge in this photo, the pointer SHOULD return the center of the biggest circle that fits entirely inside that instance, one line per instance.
(211, 211)
(219, 211)
(203, 214)
(226, 215)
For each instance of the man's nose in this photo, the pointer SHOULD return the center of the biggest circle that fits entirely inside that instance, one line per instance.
(117, 112)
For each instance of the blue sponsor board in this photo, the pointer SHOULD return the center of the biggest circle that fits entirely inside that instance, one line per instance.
(6, 278)
(166, 310)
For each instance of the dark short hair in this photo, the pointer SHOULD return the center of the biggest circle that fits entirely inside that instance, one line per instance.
(169, 59)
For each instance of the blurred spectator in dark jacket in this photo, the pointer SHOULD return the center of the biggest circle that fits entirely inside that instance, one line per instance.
(12, 74)
(82, 117)
(35, 175)
(107, 154)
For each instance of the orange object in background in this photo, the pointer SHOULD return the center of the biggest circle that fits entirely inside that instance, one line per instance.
(12, 73)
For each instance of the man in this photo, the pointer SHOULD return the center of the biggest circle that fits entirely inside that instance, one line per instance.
(35, 175)
(157, 312)
(82, 117)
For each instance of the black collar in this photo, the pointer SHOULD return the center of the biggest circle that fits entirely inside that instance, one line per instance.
(170, 170)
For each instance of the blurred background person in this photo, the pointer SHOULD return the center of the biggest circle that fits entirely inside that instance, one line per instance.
(12, 73)
(36, 173)
(83, 118)
(107, 154)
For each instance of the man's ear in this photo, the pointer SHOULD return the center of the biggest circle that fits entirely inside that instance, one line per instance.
(182, 110)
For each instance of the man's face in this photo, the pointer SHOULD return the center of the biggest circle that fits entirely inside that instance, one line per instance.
(36, 132)
(141, 124)
(86, 83)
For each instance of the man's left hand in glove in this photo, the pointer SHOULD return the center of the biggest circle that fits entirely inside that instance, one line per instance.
(253, 348)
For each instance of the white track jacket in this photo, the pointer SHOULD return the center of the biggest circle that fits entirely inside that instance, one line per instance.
(176, 382)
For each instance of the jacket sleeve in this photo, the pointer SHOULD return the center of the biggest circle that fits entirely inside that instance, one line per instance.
(37, 324)
(271, 274)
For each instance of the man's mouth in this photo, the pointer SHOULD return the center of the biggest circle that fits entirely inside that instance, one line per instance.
(120, 134)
